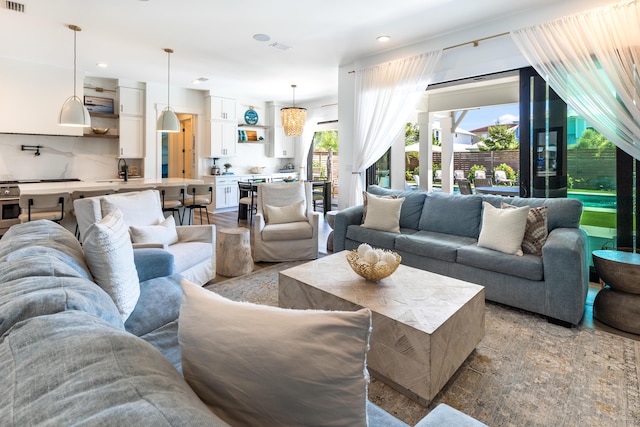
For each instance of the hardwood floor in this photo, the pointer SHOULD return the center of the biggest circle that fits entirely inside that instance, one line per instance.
(230, 219)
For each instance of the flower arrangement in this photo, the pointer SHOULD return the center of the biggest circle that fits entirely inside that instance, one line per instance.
(373, 264)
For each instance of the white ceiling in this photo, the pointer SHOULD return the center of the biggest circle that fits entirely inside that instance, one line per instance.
(214, 38)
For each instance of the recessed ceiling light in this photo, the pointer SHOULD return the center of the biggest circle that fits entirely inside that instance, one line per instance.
(261, 37)
(383, 39)
(102, 65)
(199, 80)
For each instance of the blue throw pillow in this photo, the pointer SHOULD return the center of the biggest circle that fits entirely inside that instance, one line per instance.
(452, 214)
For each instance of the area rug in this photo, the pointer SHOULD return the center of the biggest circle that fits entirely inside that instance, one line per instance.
(525, 371)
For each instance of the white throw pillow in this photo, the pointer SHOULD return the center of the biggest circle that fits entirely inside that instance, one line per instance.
(258, 365)
(503, 229)
(109, 255)
(383, 213)
(164, 233)
(285, 214)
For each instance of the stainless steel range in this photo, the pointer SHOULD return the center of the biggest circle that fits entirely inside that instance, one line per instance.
(10, 200)
(9, 205)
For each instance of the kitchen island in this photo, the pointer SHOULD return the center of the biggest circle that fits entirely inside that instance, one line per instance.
(114, 184)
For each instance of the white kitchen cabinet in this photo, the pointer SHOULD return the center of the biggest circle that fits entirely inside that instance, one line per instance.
(131, 137)
(222, 138)
(131, 101)
(282, 146)
(221, 108)
(226, 195)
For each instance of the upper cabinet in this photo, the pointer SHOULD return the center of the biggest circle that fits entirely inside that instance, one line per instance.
(32, 97)
(221, 127)
(221, 108)
(131, 107)
(131, 101)
(280, 145)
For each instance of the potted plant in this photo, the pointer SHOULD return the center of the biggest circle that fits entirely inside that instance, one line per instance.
(227, 166)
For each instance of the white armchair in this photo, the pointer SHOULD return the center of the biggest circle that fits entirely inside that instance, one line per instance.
(285, 227)
(192, 246)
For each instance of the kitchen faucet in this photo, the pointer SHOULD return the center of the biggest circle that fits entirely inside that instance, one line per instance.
(124, 169)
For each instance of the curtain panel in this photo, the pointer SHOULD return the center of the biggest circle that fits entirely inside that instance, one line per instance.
(385, 97)
(591, 60)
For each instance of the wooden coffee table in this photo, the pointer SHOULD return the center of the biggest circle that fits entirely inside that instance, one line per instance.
(424, 324)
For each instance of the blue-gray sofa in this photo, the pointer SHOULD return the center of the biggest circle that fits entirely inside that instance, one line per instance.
(67, 358)
(439, 233)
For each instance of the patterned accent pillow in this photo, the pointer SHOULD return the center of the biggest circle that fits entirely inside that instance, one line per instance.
(365, 202)
(536, 233)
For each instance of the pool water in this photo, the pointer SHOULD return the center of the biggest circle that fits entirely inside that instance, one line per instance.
(595, 200)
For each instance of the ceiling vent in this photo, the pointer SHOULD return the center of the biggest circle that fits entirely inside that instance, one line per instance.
(12, 5)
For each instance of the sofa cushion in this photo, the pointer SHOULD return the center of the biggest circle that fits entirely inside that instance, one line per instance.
(72, 368)
(452, 214)
(526, 266)
(376, 238)
(266, 366)
(48, 236)
(109, 253)
(412, 205)
(503, 229)
(383, 213)
(432, 245)
(163, 233)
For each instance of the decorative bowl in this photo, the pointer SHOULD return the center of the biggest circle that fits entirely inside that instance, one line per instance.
(100, 131)
(257, 169)
(372, 272)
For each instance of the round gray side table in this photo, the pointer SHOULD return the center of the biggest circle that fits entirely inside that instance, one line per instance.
(618, 304)
(233, 252)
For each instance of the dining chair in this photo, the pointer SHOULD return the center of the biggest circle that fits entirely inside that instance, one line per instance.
(198, 196)
(248, 198)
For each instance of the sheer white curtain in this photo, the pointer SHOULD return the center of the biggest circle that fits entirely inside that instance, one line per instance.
(385, 96)
(591, 60)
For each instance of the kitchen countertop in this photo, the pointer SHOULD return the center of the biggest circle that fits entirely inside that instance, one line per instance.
(62, 187)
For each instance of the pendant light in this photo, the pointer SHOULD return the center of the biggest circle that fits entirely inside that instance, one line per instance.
(168, 121)
(73, 112)
(293, 118)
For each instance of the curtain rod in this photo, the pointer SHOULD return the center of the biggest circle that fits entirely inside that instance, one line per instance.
(475, 43)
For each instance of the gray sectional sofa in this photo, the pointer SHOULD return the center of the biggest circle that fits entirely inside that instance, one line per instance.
(67, 358)
(439, 233)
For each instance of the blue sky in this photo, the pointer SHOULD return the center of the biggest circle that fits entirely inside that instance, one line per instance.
(489, 115)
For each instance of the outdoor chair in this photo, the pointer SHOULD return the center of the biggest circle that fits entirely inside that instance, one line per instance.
(458, 174)
(479, 174)
(464, 186)
(437, 177)
(482, 182)
(501, 177)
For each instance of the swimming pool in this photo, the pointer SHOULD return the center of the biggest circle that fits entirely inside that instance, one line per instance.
(595, 200)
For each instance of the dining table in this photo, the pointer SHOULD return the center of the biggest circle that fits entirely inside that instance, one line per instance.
(499, 191)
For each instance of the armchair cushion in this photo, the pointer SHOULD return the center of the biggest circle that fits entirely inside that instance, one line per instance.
(294, 212)
(289, 231)
(164, 233)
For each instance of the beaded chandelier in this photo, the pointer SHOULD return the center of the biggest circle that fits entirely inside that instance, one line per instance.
(293, 118)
